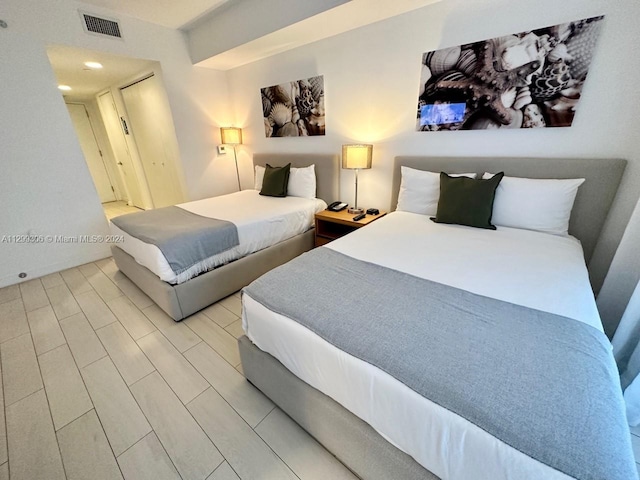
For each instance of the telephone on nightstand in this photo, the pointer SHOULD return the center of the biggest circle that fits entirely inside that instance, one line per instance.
(337, 206)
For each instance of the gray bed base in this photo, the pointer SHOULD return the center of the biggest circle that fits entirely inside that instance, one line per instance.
(180, 301)
(354, 442)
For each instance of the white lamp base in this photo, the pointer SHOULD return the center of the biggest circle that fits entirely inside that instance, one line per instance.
(355, 211)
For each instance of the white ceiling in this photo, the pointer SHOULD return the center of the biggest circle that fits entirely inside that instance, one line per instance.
(69, 69)
(170, 13)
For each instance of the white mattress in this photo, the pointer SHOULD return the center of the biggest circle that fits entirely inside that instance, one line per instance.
(261, 221)
(532, 269)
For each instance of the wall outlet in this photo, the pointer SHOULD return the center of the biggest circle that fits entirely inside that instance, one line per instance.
(222, 149)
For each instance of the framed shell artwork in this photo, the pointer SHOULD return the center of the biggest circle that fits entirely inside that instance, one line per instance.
(294, 109)
(526, 80)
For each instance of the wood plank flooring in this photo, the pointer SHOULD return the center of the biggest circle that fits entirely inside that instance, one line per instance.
(98, 383)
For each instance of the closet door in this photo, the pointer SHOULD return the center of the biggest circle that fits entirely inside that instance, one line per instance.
(151, 126)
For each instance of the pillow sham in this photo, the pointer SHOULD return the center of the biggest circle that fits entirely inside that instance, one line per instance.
(467, 201)
(302, 181)
(275, 181)
(543, 205)
(420, 190)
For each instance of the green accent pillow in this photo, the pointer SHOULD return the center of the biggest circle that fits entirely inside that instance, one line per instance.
(275, 181)
(467, 201)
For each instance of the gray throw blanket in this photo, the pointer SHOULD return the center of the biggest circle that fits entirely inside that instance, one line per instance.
(184, 238)
(544, 384)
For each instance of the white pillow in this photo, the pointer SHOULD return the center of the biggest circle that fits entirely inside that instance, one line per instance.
(259, 177)
(302, 181)
(420, 190)
(543, 205)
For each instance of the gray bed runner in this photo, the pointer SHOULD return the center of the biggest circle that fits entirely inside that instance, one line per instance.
(184, 238)
(544, 384)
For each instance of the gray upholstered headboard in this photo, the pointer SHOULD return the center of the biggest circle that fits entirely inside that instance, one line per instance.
(594, 197)
(327, 169)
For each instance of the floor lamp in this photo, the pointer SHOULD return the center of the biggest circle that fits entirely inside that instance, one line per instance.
(355, 157)
(232, 136)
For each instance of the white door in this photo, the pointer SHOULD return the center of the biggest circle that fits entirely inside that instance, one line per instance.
(91, 151)
(151, 126)
(114, 128)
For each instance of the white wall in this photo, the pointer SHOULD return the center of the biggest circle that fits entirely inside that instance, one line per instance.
(371, 82)
(45, 186)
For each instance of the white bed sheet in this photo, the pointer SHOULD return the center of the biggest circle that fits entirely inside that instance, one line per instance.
(537, 270)
(528, 268)
(261, 221)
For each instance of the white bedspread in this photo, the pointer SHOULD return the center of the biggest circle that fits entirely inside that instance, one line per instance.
(528, 268)
(261, 222)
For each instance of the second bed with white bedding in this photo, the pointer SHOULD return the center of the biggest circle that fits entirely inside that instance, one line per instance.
(535, 270)
(261, 222)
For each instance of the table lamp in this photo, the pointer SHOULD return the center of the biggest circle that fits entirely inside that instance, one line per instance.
(355, 157)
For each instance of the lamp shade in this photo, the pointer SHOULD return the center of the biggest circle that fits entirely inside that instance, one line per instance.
(231, 135)
(357, 156)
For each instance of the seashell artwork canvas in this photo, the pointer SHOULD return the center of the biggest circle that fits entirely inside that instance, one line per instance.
(294, 109)
(531, 79)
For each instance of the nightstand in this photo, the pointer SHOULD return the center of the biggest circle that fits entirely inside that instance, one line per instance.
(331, 225)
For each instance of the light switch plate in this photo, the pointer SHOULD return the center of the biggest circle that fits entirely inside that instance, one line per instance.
(222, 149)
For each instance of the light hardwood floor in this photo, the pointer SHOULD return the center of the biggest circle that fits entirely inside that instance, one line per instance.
(99, 383)
(114, 209)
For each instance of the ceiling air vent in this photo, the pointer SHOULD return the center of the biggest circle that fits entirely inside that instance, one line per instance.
(100, 25)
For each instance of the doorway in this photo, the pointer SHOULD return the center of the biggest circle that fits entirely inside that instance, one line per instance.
(92, 152)
(121, 114)
(124, 162)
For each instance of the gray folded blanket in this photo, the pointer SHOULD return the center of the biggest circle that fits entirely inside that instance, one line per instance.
(184, 238)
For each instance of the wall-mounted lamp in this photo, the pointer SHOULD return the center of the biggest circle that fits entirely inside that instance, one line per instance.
(232, 136)
(355, 157)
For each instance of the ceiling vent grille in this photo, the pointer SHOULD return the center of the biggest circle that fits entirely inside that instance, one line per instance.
(101, 26)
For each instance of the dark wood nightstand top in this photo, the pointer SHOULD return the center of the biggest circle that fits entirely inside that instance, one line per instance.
(346, 218)
(331, 225)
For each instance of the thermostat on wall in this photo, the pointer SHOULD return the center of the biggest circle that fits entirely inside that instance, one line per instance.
(222, 149)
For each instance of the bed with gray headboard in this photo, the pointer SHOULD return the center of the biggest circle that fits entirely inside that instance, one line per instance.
(181, 300)
(326, 409)
(602, 177)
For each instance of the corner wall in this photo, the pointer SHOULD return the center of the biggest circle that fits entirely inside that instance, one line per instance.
(372, 78)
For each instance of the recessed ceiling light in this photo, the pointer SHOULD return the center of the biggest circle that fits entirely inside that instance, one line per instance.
(93, 65)
(65, 88)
